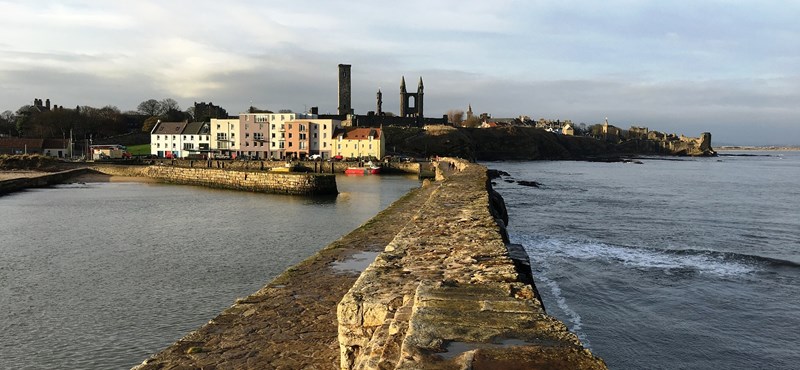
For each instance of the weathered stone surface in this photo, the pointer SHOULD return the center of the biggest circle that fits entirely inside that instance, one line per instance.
(448, 279)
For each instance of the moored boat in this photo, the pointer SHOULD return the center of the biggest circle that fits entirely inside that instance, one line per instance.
(369, 169)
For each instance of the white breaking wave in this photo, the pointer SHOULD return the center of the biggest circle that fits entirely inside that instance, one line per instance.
(641, 258)
(573, 317)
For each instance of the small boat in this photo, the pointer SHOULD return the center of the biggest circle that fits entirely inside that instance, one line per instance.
(369, 169)
(288, 167)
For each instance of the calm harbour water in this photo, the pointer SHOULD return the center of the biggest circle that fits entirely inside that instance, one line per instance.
(669, 264)
(101, 275)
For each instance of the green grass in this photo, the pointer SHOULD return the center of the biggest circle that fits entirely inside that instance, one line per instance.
(143, 149)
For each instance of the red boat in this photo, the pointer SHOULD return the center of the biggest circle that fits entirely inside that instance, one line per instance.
(371, 169)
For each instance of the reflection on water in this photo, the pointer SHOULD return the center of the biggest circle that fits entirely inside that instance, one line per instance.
(101, 275)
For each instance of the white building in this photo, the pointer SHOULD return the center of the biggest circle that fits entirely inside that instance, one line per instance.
(196, 140)
(165, 139)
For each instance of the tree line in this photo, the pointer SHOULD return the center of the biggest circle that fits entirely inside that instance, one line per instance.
(38, 121)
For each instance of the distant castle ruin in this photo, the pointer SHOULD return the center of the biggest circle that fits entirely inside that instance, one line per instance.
(411, 106)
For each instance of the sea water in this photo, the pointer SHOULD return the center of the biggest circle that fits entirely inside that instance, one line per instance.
(102, 275)
(674, 263)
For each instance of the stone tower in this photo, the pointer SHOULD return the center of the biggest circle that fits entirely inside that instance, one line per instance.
(380, 102)
(344, 90)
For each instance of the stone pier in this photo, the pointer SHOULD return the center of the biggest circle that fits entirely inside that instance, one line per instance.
(444, 290)
(447, 294)
(258, 181)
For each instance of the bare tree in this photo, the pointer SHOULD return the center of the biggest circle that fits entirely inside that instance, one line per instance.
(150, 107)
(169, 104)
(455, 117)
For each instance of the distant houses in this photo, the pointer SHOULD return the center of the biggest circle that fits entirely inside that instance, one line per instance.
(266, 135)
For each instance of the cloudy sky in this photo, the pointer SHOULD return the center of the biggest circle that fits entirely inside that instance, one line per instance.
(728, 67)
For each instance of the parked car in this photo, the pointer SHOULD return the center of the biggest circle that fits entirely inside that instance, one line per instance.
(315, 157)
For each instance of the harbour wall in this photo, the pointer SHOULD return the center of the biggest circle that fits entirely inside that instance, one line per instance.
(443, 289)
(257, 181)
(311, 166)
(39, 181)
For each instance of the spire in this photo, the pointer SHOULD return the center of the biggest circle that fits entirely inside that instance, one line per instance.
(420, 86)
(403, 84)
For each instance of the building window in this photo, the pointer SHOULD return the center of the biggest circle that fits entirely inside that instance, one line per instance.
(324, 144)
(246, 134)
(273, 144)
(273, 135)
(315, 135)
(290, 144)
(158, 137)
(184, 137)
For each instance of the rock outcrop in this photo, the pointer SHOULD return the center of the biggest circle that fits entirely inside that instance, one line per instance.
(528, 143)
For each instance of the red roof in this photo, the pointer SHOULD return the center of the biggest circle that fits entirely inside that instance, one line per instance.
(362, 133)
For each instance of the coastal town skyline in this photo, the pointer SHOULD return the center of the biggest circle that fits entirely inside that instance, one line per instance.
(682, 67)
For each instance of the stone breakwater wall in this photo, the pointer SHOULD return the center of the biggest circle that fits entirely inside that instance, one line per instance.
(448, 293)
(258, 181)
(445, 291)
(312, 166)
(23, 183)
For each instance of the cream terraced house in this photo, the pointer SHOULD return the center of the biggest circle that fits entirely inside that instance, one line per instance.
(359, 142)
(224, 137)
